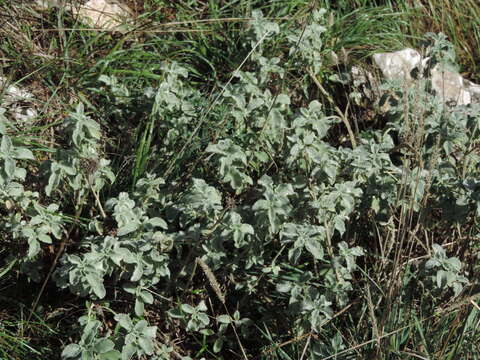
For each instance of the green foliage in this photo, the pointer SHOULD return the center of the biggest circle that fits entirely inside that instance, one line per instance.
(275, 206)
(448, 270)
(139, 338)
(195, 317)
(90, 345)
(256, 186)
(231, 163)
(81, 166)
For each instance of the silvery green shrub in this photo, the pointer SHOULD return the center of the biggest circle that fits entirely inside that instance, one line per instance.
(271, 209)
(447, 270)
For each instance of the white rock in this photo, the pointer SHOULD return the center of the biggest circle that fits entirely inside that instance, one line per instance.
(449, 85)
(398, 64)
(359, 75)
(18, 102)
(474, 91)
(364, 81)
(45, 4)
(104, 14)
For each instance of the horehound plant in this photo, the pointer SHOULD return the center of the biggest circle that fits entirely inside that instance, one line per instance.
(297, 235)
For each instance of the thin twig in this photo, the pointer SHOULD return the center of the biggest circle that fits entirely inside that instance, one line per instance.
(341, 115)
(97, 199)
(306, 347)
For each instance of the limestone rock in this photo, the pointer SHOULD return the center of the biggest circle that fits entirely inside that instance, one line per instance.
(448, 85)
(398, 64)
(105, 14)
(45, 4)
(17, 101)
(474, 91)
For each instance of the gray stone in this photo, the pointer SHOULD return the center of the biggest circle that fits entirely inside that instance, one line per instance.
(448, 85)
(398, 64)
(104, 14)
(18, 102)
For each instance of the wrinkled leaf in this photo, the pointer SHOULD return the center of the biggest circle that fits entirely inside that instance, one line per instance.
(71, 351)
(96, 283)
